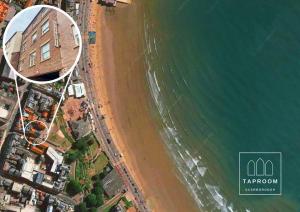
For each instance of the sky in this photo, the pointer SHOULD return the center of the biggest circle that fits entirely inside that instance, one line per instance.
(21, 22)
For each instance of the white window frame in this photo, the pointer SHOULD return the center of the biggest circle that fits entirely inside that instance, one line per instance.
(43, 53)
(45, 30)
(75, 35)
(32, 58)
(34, 37)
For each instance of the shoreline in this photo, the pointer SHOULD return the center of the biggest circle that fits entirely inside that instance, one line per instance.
(135, 136)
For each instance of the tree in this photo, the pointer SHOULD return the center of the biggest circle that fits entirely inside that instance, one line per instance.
(91, 200)
(71, 156)
(98, 190)
(99, 199)
(90, 141)
(93, 210)
(81, 207)
(73, 187)
(81, 145)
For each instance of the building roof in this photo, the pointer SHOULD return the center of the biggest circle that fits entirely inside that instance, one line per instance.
(71, 90)
(27, 169)
(17, 187)
(3, 10)
(49, 208)
(38, 178)
(79, 90)
(80, 128)
(3, 113)
(10, 13)
(55, 157)
(112, 183)
(48, 185)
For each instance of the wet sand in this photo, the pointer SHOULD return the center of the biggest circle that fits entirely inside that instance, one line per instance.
(118, 73)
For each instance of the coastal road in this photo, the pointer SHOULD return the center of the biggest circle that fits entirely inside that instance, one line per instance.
(102, 132)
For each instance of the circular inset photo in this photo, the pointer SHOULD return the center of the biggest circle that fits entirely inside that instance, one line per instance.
(36, 132)
(42, 44)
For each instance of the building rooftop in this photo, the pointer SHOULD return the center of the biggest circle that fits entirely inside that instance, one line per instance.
(3, 113)
(80, 128)
(27, 169)
(10, 13)
(112, 183)
(71, 90)
(55, 157)
(79, 90)
(17, 187)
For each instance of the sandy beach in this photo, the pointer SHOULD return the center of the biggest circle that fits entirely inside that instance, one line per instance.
(118, 73)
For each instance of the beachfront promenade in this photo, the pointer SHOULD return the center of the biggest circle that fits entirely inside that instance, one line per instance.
(102, 132)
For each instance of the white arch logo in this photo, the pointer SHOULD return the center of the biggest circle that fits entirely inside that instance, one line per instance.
(260, 168)
(260, 173)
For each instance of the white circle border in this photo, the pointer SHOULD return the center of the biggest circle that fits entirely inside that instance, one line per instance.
(50, 81)
(47, 129)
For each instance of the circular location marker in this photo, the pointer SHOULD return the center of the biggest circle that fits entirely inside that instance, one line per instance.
(36, 132)
(42, 44)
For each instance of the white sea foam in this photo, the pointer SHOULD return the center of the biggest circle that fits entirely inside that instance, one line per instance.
(220, 200)
(156, 83)
(190, 165)
(155, 46)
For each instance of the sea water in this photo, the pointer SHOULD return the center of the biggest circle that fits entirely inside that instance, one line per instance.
(225, 78)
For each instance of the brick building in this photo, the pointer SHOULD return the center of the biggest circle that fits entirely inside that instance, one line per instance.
(49, 47)
(13, 46)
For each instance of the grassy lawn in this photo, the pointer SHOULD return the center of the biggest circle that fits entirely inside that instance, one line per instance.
(100, 163)
(93, 148)
(80, 171)
(61, 123)
(57, 140)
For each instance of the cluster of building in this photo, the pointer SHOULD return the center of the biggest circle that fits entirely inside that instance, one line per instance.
(77, 90)
(34, 176)
(33, 168)
(40, 165)
(81, 126)
(8, 99)
(15, 196)
(38, 111)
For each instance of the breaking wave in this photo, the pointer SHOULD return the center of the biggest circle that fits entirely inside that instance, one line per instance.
(191, 167)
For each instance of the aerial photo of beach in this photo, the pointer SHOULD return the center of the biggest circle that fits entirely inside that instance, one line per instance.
(173, 106)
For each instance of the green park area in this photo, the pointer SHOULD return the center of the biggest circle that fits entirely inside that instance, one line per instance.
(90, 162)
(59, 135)
(100, 163)
(62, 125)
